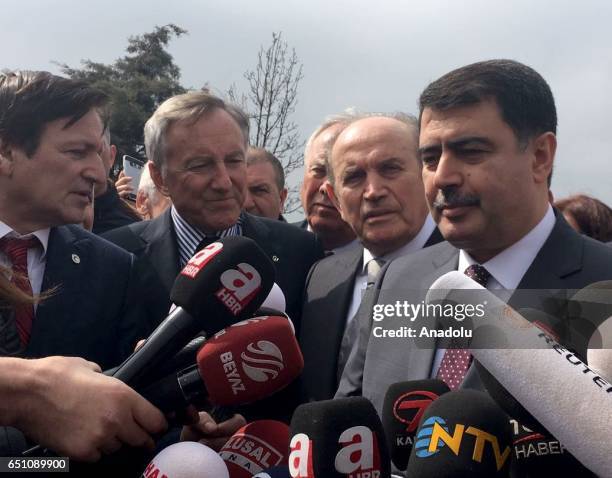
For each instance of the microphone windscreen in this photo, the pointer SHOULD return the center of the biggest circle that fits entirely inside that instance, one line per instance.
(281, 471)
(599, 353)
(223, 283)
(338, 438)
(186, 460)
(462, 434)
(276, 299)
(255, 447)
(250, 360)
(403, 408)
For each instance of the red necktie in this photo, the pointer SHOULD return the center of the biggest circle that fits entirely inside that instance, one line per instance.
(17, 252)
(456, 362)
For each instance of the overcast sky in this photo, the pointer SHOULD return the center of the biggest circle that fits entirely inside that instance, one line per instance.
(373, 55)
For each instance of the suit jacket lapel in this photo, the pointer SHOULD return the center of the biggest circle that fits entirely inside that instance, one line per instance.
(66, 259)
(159, 238)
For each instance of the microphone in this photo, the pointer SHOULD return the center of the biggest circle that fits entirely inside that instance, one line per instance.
(222, 284)
(403, 407)
(462, 434)
(257, 446)
(281, 471)
(246, 362)
(338, 438)
(538, 373)
(186, 460)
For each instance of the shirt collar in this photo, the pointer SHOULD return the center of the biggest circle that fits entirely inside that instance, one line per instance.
(415, 244)
(509, 266)
(42, 235)
(188, 237)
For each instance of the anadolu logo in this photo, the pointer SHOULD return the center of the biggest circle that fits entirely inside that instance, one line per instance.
(423, 438)
(409, 407)
(199, 260)
(262, 362)
(239, 286)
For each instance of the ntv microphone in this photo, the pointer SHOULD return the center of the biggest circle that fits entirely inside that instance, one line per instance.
(403, 408)
(244, 363)
(222, 284)
(186, 460)
(338, 438)
(257, 446)
(462, 434)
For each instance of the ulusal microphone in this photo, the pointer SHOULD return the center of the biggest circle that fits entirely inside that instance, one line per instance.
(338, 438)
(281, 471)
(462, 434)
(244, 363)
(548, 380)
(222, 284)
(186, 460)
(255, 447)
(403, 407)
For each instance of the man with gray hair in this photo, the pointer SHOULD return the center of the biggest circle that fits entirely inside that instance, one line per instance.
(322, 217)
(197, 145)
(150, 203)
(375, 182)
(266, 192)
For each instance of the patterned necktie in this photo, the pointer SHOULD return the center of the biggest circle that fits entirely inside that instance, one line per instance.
(373, 268)
(17, 252)
(456, 362)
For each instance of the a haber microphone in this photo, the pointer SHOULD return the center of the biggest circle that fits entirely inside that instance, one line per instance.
(186, 460)
(281, 471)
(255, 447)
(222, 284)
(462, 434)
(538, 373)
(244, 363)
(337, 439)
(403, 408)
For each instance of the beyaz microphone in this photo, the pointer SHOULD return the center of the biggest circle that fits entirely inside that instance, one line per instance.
(244, 363)
(281, 471)
(462, 434)
(186, 460)
(539, 373)
(403, 407)
(255, 447)
(338, 438)
(222, 284)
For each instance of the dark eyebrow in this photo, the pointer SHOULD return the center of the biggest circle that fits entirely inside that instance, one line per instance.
(457, 144)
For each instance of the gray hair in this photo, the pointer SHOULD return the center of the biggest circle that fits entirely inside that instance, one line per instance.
(345, 118)
(189, 106)
(147, 186)
(409, 120)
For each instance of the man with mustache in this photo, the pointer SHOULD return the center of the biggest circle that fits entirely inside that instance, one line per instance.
(487, 144)
(375, 182)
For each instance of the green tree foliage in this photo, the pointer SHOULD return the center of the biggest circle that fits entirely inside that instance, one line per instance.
(136, 83)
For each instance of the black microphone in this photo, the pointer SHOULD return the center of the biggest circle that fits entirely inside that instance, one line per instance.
(222, 284)
(338, 438)
(280, 471)
(403, 408)
(462, 434)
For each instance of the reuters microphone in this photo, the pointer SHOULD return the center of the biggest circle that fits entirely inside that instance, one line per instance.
(222, 284)
(246, 362)
(403, 408)
(338, 438)
(255, 447)
(462, 434)
(186, 460)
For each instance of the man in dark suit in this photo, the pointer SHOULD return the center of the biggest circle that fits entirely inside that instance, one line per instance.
(197, 147)
(50, 142)
(487, 143)
(377, 187)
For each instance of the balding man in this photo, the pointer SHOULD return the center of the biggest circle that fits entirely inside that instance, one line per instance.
(375, 182)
